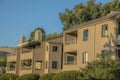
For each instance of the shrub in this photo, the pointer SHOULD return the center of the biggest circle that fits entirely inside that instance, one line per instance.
(102, 70)
(48, 76)
(68, 75)
(8, 76)
(31, 76)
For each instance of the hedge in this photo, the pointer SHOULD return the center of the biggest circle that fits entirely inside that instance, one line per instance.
(68, 75)
(31, 76)
(48, 76)
(8, 76)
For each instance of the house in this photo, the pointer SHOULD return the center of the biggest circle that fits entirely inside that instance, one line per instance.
(4, 51)
(83, 42)
(38, 56)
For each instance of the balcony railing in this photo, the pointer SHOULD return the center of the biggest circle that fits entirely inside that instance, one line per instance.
(70, 63)
(26, 68)
(73, 41)
(27, 51)
(12, 54)
(11, 69)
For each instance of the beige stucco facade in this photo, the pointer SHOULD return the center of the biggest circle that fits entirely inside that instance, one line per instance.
(36, 56)
(4, 51)
(75, 45)
(78, 45)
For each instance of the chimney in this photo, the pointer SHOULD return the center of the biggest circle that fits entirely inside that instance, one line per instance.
(38, 35)
(22, 39)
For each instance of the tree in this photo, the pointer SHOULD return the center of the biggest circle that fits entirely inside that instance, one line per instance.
(102, 70)
(32, 34)
(2, 64)
(2, 61)
(84, 12)
(49, 36)
(111, 6)
(67, 18)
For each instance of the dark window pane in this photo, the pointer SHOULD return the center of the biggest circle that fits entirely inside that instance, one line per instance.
(85, 35)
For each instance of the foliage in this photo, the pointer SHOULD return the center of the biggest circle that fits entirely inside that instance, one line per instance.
(102, 70)
(49, 36)
(2, 61)
(45, 37)
(27, 62)
(32, 34)
(48, 76)
(84, 12)
(68, 75)
(8, 76)
(31, 76)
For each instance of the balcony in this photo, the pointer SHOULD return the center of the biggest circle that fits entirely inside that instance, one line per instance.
(70, 45)
(11, 67)
(70, 58)
(70, 41)
(26, 67)
(70, 63)
(27, 54)
(11, 57)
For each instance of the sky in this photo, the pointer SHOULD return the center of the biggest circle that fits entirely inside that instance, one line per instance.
(20, 17)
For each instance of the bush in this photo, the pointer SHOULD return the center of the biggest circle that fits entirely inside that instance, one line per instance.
(48, 76)
(102, 70)
(29, 77)
(8, 76)
(68, 75)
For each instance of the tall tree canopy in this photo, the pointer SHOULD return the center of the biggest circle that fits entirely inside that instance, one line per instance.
(83, 13)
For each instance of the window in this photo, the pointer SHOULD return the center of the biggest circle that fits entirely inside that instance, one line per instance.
(70, 58)
(85, 57)
(85, 35)
(54, 64)
(119, 28)
(54, 48)
(104, 30)
(46, 64)
(38, 65)
(105, 54)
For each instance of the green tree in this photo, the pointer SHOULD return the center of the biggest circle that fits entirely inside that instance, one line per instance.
(111, 6)
(84, 12)
(32, 34)
(49, 36)
(67, 18)
(2, 61)
(102, 70)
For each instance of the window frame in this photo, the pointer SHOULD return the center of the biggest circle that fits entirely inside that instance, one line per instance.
(68, 59)
(84, 57)
(54, 64)
(54, 48)
(104, 30)
(85, 35)
(105, 53)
